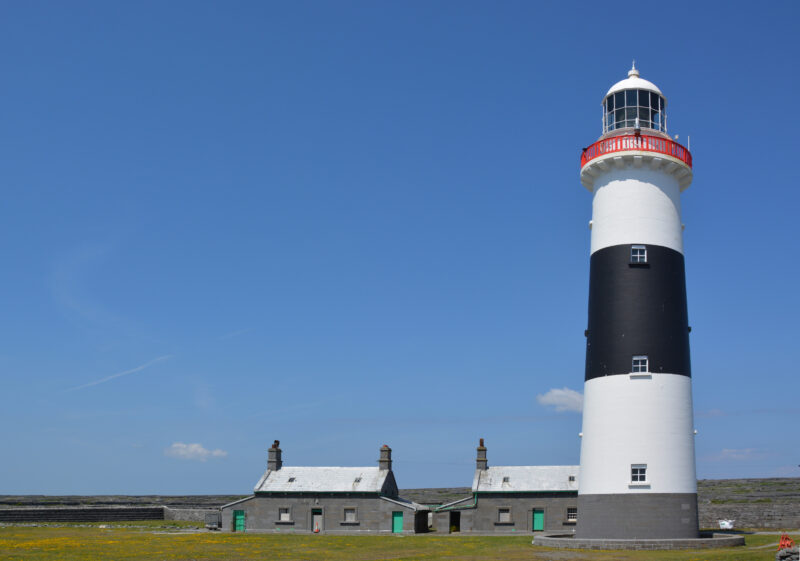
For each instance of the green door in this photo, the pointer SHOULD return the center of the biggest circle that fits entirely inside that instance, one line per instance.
(397, 522)
(238, 521)
(538, 520)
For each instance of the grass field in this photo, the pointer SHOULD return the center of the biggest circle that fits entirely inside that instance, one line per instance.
(160, 541)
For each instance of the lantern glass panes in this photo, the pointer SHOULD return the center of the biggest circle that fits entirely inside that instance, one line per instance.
(620, 110)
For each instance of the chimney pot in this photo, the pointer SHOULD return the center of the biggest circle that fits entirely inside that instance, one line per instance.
(274, 459)
(385, 458)
(481, 462)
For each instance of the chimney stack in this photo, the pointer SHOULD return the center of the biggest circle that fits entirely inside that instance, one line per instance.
(385, 461)
(274, 461)
(482, 462)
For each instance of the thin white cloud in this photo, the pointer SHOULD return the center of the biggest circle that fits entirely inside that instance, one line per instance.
(69, 280)
(563, 399)
(233, 334)
(735, 454)
(194, 452)
(712, 413)
(120, 374)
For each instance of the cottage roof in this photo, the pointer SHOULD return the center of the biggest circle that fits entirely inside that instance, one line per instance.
(500, 479)
(323, 479)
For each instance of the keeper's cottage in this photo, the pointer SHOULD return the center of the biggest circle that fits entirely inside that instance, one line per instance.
(514, 499)
(325, 500)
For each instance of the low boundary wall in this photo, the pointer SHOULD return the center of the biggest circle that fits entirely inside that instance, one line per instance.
(567, 541)
(188, 514)
(84, 514)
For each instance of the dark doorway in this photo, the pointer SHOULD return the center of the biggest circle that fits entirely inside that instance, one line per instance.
(455, 521)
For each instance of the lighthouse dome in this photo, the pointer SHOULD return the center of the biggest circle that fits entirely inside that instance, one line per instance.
(634, 103)
(633, 82)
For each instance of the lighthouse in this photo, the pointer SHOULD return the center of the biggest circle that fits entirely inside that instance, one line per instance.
(637, 473)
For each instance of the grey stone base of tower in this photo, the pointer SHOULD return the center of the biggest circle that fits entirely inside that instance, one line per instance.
(630, 516)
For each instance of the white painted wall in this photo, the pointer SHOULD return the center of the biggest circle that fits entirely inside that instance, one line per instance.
(636, 205)
(638, 421)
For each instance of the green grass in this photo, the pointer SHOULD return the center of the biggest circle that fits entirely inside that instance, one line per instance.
(120, 543)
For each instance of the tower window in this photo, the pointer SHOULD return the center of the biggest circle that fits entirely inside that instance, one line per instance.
(640, 364)
(638, 254)
(638, 473)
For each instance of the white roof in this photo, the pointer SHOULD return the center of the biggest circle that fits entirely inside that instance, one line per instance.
(633, 82)
(525, 478)
(323, 479)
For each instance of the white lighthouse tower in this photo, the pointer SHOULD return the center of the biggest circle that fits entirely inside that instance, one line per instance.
(637, 477)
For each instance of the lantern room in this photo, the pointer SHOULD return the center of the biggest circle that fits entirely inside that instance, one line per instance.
(634, 103)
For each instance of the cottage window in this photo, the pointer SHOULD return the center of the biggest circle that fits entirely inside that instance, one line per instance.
(285, 514)
(638, 473)
(572, 514)
(350, 515)
(504, 515)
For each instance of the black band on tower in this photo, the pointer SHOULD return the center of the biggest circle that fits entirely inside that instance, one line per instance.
(637, 309)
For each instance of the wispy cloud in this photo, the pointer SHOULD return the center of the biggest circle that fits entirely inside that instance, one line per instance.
(194, 452)
(735, 454)
(712, 413)
(563, 399)
(233, 334)
(124, 373)
(790, 410)
(71, 271)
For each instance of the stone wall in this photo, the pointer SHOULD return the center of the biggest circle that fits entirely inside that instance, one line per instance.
(750, 503)
(188, 514)
(86, 514)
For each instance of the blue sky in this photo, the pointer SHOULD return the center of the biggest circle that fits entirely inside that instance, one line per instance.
(344, 224)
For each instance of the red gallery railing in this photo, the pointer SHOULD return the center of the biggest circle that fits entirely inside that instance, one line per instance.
(642, 143)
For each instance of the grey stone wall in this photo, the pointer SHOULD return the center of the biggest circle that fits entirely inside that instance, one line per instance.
(84, 514)
(751, 515)
(187, 514)
(703, 542)
(631, 516)
(374, 515)
(751, 503)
